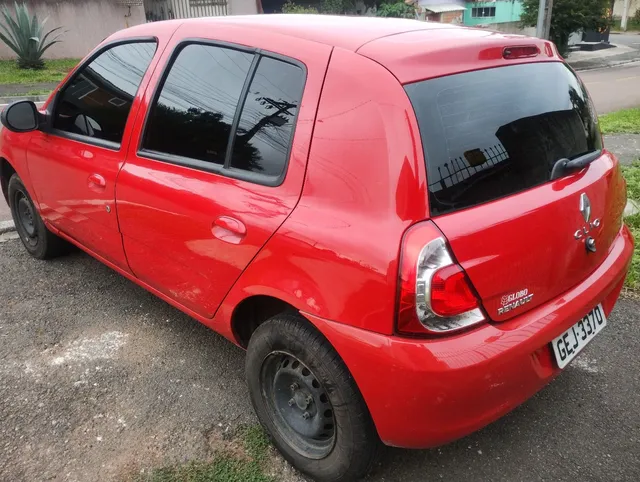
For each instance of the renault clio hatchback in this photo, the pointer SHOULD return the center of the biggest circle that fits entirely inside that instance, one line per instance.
(410, 227)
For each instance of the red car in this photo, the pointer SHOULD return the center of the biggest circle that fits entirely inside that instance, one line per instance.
(410, 227)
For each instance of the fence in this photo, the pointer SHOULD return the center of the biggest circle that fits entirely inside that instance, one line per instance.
(169, 9)
(459, 169)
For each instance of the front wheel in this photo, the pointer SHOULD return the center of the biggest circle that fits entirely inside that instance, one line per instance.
(308, 402)
(39, 241)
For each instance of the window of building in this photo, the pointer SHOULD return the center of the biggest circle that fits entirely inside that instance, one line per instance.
(483, 12)
(97, 101)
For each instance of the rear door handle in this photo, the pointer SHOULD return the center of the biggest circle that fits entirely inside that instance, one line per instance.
(96, 181)
(229, 230)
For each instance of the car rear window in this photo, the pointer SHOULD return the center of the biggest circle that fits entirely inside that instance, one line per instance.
(491, 133)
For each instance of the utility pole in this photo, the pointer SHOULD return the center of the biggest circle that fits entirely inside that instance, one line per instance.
(547, 20)
(625, 16)
(540, 26)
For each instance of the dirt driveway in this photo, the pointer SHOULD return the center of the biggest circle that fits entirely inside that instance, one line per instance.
(100, 380)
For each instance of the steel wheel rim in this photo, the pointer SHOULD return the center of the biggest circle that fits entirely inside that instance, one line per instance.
(298, 405)
(25, 222)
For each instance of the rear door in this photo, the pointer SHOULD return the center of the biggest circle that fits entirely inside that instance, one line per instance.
(491, 139)
(220, 161)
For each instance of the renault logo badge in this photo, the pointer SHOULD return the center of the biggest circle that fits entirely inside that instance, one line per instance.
(585, 232)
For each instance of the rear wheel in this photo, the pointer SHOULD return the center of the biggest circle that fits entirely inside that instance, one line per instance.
(308, 402)
(39, 241)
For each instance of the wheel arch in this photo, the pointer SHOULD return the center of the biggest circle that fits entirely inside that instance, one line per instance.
(6, 171)
(254, 310)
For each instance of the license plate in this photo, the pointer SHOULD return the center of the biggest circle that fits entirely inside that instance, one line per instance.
(572, 341)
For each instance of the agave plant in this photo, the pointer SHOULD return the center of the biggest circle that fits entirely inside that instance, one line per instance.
(24, 35)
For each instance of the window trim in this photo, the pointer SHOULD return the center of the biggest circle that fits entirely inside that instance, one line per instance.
(224, 169)
(53, 105)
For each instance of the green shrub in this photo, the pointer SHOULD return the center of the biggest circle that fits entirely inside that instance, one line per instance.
(291, 7)
(396, 9)
(25, 36)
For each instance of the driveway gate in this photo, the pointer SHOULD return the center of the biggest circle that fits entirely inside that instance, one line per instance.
(168, 9)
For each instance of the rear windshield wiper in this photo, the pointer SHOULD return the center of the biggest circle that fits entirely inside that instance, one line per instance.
(564, 166)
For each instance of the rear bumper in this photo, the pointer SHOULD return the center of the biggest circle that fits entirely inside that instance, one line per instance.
(425, 393)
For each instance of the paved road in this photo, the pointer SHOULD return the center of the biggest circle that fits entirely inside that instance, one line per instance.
(627, 39)
(100, 379)
(615, 88)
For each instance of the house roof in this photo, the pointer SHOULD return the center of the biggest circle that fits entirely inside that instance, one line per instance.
(442, 7)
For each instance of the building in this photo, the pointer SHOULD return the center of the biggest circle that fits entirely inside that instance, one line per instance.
(88, 22)
(496, 14)
(492, 12)
(618, 8)
(439, 11)
(169, 9)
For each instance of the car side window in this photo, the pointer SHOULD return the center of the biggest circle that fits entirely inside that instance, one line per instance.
(263, 136)
(194, 112)
(226, 110)
(97, 101)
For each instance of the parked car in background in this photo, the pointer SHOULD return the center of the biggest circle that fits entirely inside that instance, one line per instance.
(410, 227)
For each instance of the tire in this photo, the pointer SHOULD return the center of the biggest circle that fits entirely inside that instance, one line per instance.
(330, 438)
(37, 239)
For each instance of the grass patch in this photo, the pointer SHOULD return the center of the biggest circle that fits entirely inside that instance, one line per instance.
(633, 25)
(30, 93)
(632, 176)
(633, 278)
(53, 71)
(255, 442)
(625, 121)
(224, 466)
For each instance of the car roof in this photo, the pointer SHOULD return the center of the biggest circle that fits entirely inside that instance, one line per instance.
(411, 50)
(339, 31)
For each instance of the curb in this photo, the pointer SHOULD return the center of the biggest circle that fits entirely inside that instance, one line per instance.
(605, 66)
(38, 99)
(632, 207)
(7, 227)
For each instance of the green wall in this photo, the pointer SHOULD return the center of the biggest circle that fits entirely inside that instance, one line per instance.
(506, 11)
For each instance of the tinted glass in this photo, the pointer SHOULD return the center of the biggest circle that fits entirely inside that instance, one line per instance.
(98, 100)
(193, 115)
(495, 132)
(266, 124)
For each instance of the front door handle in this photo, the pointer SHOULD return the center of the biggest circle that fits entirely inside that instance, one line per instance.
(97, 181)
(229, 230)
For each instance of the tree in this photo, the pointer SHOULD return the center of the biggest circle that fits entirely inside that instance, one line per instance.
(291, 7)
(395, 8)
(26, 37)
(569, 16)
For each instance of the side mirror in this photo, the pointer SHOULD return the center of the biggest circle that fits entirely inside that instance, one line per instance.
(21, 116)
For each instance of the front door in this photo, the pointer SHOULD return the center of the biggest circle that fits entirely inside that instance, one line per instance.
(217, 169)
(75, 164)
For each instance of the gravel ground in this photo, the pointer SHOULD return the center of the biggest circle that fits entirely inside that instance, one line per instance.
(99, 380)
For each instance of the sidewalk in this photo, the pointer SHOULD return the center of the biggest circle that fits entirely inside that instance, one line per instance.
(619, 55)
(626, 147)
(5, 214)
(12, 92)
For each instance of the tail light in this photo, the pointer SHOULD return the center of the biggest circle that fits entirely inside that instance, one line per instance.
(435, 295)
